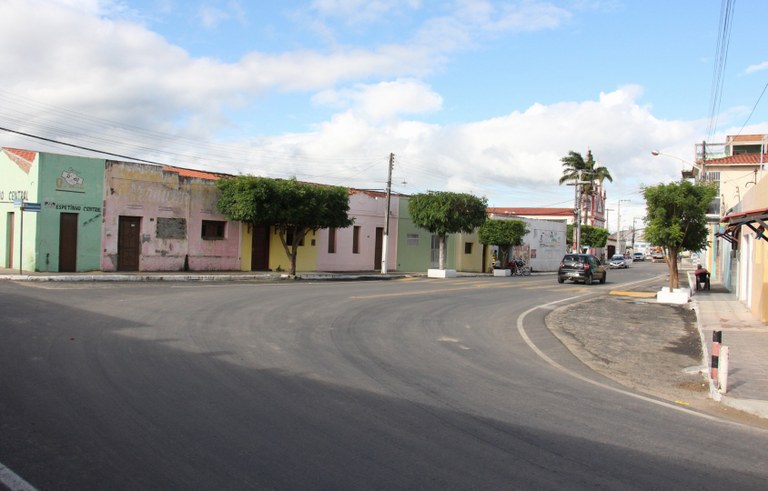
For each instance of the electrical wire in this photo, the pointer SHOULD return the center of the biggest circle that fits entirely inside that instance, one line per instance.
(721, 58)
(753, 109)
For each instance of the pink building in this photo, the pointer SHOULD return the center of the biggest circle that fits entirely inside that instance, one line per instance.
(165, 219)
(360, 247)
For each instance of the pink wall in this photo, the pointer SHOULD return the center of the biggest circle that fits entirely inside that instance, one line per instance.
(367, 208)
(150, 192)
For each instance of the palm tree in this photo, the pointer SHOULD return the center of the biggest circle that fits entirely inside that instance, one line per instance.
(577, 169)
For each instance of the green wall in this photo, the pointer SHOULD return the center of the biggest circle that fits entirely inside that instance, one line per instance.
(417, 258)
(18, 180)
(70, 185)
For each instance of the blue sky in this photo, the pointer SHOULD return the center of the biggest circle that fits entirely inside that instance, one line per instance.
(472, 96)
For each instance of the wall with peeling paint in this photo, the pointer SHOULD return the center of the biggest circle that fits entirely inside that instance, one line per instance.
(155, 193)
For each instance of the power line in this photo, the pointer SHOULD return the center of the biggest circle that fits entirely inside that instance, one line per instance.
(753, 109)
(721, 58)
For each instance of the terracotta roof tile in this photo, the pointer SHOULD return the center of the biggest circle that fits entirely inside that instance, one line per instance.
(193, 173)
(745, 138)
(22, 158)
(740, 159)
(564, 212)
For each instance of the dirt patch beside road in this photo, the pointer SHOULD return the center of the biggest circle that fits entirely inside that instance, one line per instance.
(639, 343)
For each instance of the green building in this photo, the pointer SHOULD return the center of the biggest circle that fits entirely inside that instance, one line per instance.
(50, 211)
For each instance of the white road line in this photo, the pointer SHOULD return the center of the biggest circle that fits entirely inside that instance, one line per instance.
(13, 481)
(553, 363)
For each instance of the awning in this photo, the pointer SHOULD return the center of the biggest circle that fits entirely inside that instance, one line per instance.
(756, 220)
(729, 233)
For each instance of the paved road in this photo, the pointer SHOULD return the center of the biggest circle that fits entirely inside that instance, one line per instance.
(436, 384)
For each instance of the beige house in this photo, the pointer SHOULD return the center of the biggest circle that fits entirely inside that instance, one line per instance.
(738, 255)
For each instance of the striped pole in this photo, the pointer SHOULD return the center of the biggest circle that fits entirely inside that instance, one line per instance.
(717, 338)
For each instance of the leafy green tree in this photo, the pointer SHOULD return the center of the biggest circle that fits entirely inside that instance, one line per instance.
(675, 220)
(287, 204)
(594, 236)
(443, 213)
(504, 234)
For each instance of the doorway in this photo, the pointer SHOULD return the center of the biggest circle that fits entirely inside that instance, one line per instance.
(260, 248)
(68, 242)
(128, 243)
(377, 251)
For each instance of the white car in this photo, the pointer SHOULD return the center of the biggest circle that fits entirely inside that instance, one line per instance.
(617, 261)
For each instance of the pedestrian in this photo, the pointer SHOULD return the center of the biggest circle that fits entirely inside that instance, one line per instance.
(702, 276)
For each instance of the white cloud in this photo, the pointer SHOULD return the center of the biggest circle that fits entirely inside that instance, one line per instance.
(211, 17)
(513, 159)
(355, 11)
(757, 67)
(123, 72)
(384, 100)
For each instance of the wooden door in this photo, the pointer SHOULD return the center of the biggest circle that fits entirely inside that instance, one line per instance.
(68, 242)
(377, 251)
(128, 243)
(260, 248)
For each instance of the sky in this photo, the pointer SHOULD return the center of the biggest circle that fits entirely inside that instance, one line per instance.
(474, 96)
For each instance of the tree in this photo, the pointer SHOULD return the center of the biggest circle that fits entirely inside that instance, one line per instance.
(594, 236)
(294, 208)
(675, 220)
(443, 213)
(504, 234)
(577, 169)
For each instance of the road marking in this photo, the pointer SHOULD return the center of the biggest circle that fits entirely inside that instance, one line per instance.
(13, 481)
(553, 363)
(633, 294)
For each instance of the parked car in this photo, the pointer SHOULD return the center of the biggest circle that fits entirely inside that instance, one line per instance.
(617, 261)
(581, 267)
(638, 256)
(657, 257)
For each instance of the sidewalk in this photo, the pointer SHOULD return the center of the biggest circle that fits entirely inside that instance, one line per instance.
(746, 337)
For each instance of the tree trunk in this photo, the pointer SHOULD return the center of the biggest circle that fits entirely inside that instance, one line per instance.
(674, 274)
(442, 252)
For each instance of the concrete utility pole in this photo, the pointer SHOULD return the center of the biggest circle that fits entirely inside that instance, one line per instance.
(386, 221)
(619, 249)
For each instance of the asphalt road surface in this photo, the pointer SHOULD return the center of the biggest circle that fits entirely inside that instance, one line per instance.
(403, 384)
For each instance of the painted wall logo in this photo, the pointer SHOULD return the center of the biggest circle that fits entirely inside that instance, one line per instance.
(70, 181)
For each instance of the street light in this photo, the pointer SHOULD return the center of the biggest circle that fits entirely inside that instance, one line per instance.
(687, 174)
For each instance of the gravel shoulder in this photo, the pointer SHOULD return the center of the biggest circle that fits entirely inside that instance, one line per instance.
(651, 348)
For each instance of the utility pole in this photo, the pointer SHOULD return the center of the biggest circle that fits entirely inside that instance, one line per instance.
(577, 232)
(386, 221)
(619, 249)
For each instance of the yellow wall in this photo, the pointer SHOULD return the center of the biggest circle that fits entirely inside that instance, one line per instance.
(469, 262)
(246, 232)
(306, 257)
(755, 199)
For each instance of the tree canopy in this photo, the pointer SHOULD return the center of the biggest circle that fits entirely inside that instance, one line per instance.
(676, 220)
(576, 169)
(286, 204)
(594, 236)
(504, 234)
(443, 213)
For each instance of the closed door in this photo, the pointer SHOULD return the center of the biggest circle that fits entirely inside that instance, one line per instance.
(68, 242)
(377, 251)
(260, 248)
(128, 243)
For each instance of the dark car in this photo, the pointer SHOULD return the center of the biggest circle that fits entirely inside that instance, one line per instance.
(581, 267)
